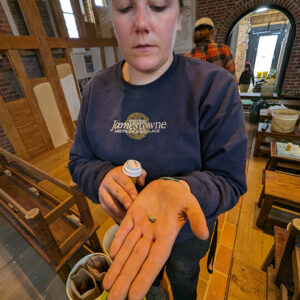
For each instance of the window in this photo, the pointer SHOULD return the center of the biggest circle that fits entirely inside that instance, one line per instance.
(99, 3)
(265, 53)
(69, 18)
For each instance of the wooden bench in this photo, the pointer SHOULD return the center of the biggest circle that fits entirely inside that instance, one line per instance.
(55, 228)
(288, 164)
(285, 255)
(279, 189)
(246, 282)
(261, 134)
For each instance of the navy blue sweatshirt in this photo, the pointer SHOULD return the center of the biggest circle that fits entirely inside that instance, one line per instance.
(187, 124)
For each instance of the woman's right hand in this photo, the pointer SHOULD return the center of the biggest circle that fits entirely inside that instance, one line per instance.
(117, 191)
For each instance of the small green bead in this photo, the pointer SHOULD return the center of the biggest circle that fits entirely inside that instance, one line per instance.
(151, 219)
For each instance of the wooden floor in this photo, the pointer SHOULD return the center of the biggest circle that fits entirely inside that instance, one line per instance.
(24, 275)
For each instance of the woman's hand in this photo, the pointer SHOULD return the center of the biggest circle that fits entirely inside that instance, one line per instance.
(141, 247)
(116, 192)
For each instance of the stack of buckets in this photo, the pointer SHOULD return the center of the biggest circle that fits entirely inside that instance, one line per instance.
(284, 120)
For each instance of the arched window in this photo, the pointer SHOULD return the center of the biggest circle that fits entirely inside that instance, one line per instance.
(263, 36)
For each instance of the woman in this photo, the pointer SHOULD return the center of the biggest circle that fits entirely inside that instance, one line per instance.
(246, 77)
(179, 117)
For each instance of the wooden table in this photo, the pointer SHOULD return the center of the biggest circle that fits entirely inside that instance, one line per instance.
(55, 228)
(272, 163)
(261, 134)
(263, 115)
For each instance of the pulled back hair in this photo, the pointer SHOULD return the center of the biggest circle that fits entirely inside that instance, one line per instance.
(201, 36)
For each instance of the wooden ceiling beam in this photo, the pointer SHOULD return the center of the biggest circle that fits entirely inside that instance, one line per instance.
(80, 43)
(30, 43)
(36, 29)
(18, 42)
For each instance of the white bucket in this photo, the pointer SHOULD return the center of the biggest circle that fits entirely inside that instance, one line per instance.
(108, 238)
(284, 120)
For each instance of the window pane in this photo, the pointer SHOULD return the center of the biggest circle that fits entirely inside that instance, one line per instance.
(265, 53)
(71, 25)
(99, 2)
(66, 6)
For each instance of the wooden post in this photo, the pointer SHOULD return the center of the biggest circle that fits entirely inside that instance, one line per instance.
(83, 206)
(12, 132)
(296, 273)
(264, 211)
(36, 28)
(45, 237)
(97, 23)
(116, 54)
(287, 252)
(58, 18)
(78, 18)
(17, 64)
(103, 60)
(95, 244)
(39, 226)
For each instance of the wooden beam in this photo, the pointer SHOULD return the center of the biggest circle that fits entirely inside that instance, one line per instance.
(59, 210)
(296, 272)
(34, 171)
(103, 60)
(30, 43)
(97, 27)
(18, 42)
(36, 81)
(80, 43)
(36, 28)
(78, 18)
(11, 131)
(37, 223)
(13, 202)
(60, 60)
(18, 66)
(116, 54)
(68, 55)
(72, 239)
(58, 18)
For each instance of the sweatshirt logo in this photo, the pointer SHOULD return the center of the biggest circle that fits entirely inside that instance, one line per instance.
(137, 126)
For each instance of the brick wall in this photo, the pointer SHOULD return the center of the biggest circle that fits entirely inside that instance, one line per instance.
(32, 65)
(4, 26)
(18, 17)
(225, 12)
(45, 17)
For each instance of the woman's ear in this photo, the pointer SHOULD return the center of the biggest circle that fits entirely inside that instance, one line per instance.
(179, 23)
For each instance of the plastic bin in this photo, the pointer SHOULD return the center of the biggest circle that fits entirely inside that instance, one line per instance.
(284, 120)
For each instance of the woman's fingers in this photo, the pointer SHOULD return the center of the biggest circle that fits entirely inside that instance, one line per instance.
(121, 234)
(111, 206)
(130, 269)
(157, 257)
(142, 178)
(118, 263)
(197, 220)
(125, 182)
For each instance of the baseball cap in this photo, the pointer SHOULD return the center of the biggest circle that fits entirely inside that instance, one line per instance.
(204, 21)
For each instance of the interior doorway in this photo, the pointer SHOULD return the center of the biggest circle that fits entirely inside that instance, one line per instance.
(263, 37)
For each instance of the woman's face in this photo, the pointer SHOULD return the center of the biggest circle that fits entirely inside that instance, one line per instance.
(146, 31)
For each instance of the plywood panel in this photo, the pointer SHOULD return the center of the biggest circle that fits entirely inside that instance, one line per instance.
(11, 131)
(49, 109)
(32, 139)
(20, 112)
(69, 87)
